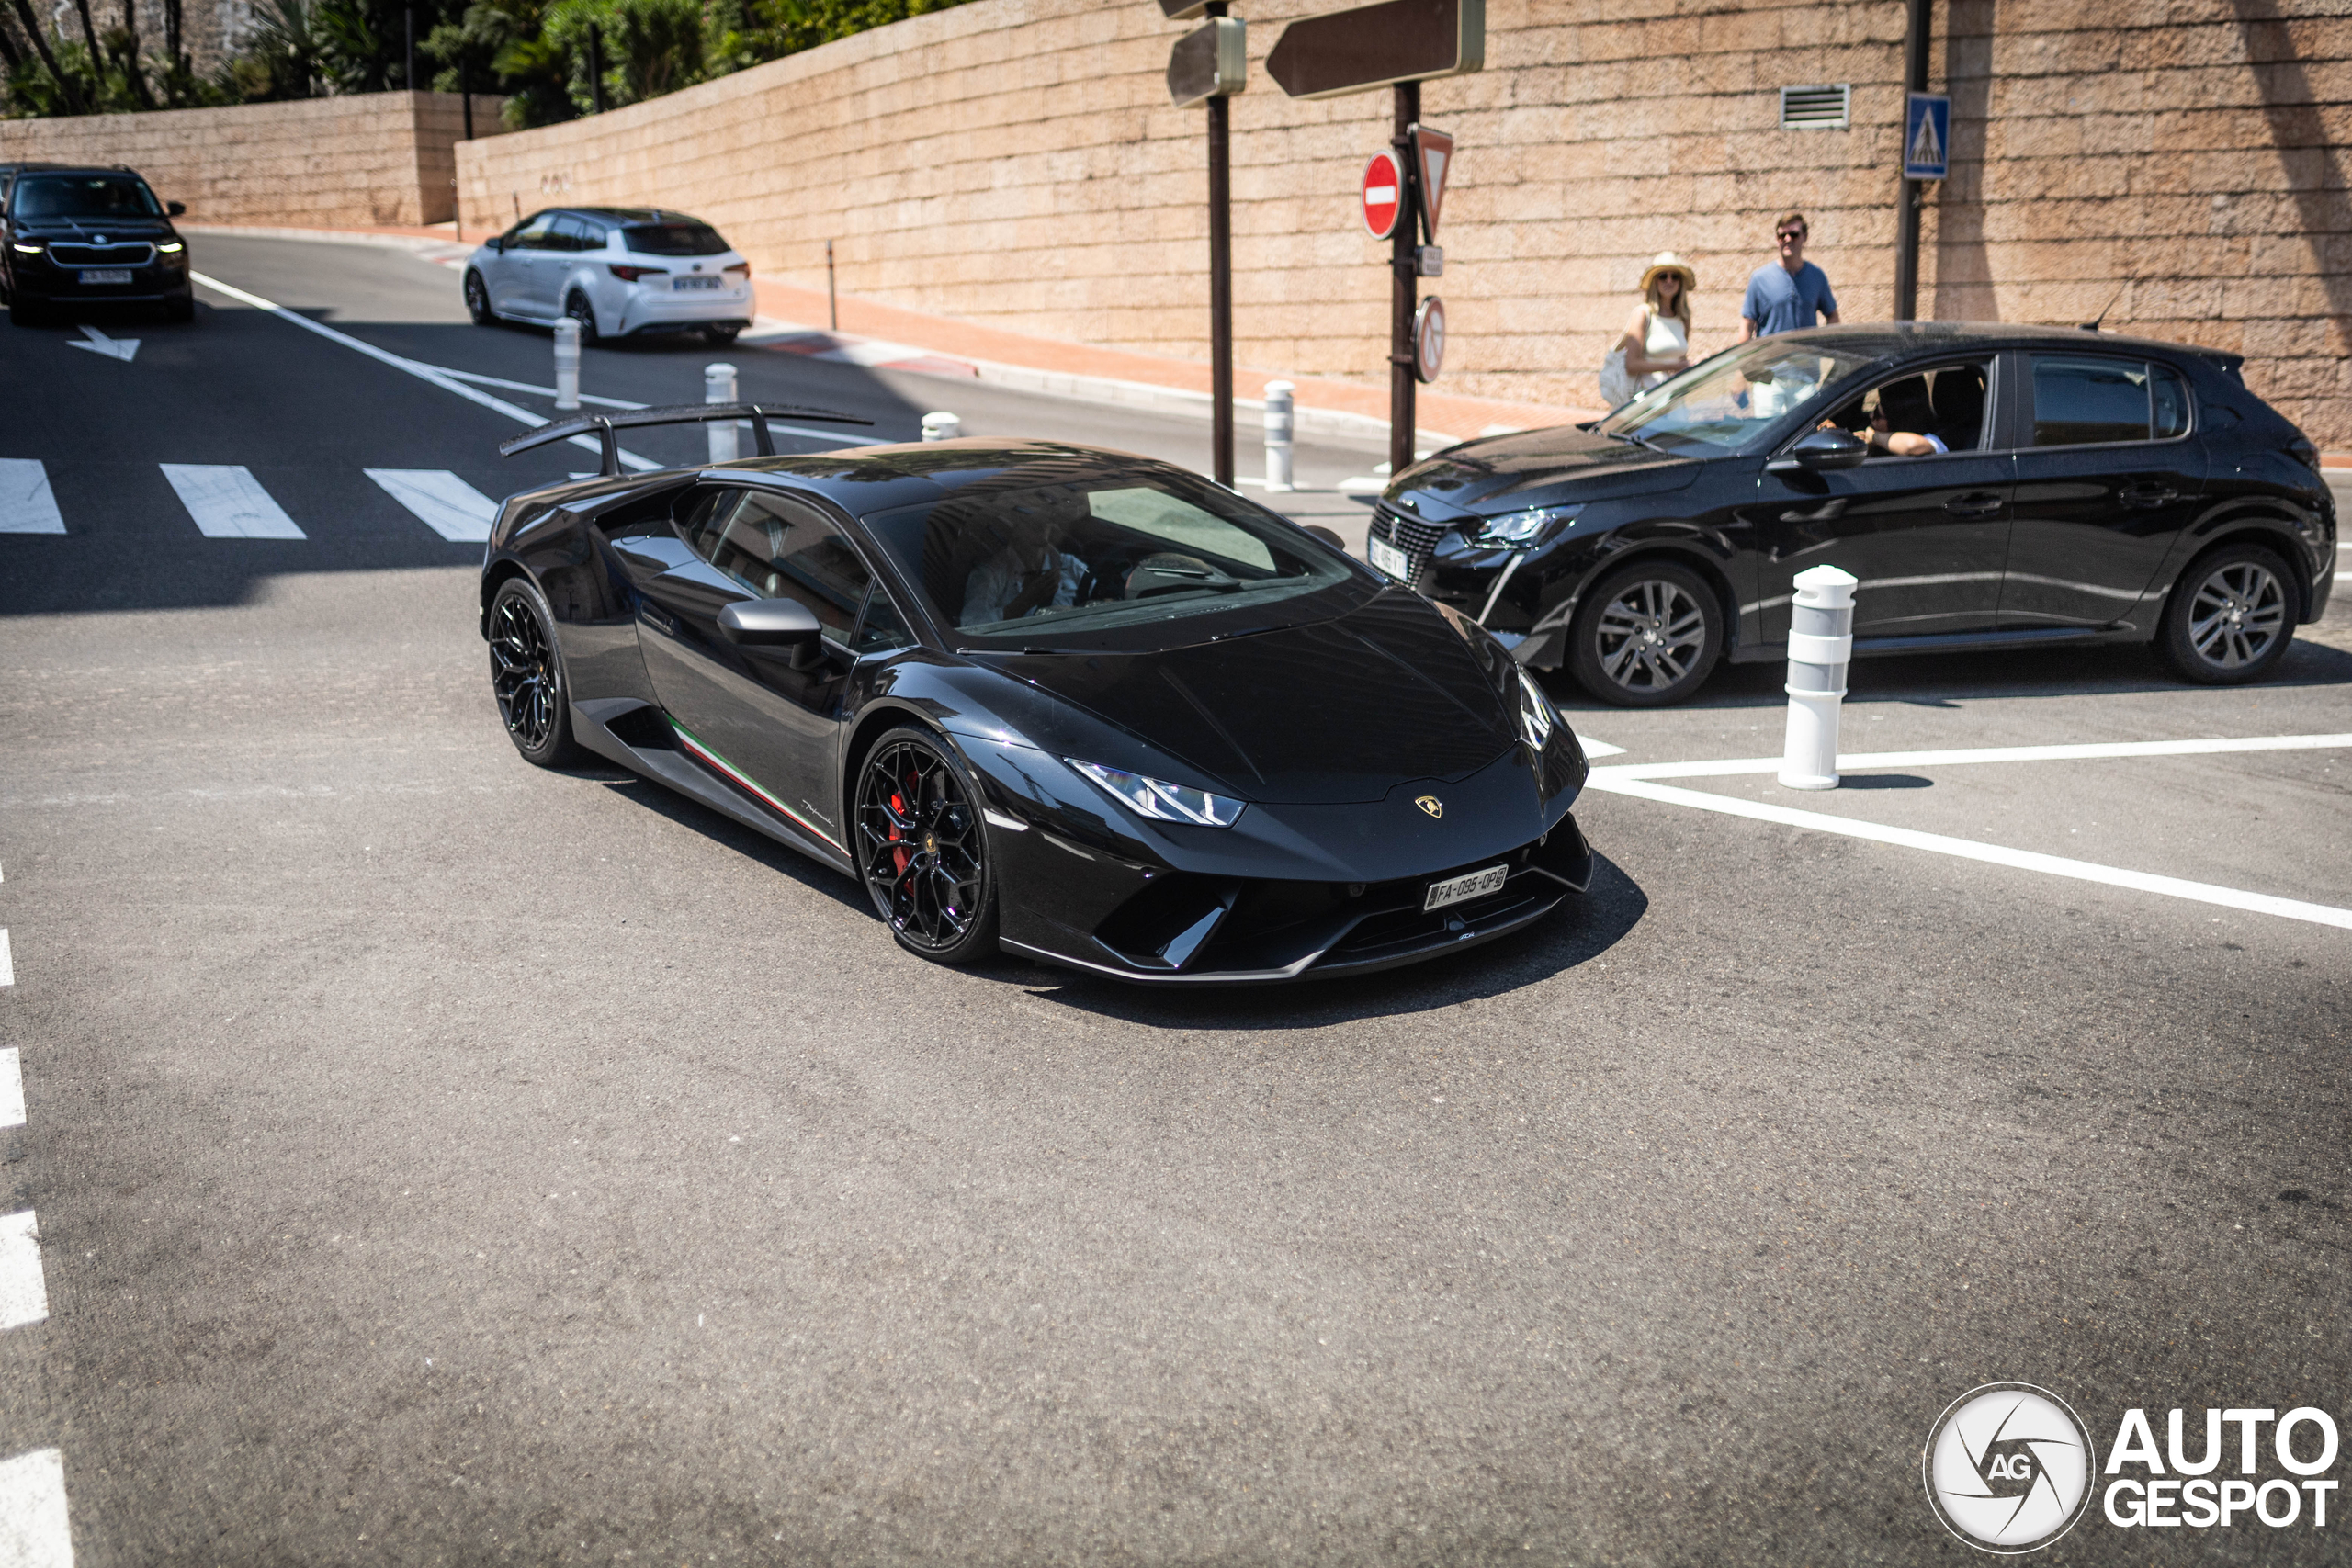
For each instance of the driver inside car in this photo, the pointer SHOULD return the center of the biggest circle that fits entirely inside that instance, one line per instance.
(1894, 420)
(1018, 581)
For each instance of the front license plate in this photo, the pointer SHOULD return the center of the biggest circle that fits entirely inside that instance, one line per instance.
(1390, 559)
(685, 283)
(106, 274)
(1472, 884)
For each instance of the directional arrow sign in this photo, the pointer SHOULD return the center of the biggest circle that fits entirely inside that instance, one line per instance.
(1432, 155)
(96, 341)
(1379, 46)
(1213, 63)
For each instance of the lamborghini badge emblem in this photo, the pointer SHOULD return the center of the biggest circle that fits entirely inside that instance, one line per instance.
(1430, 803)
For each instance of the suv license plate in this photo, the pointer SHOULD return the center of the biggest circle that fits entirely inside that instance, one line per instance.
(1459, 889)
(106, 274)
(1390, 559)
(682, 284)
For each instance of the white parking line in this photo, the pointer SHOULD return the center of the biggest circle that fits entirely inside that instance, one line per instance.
(23, 1297)
(7, 965)
(448, 504)
(1860, 762)
(1615, 782)
(409, 366)
(34, 1531)
(12, 1092)
(228, 503)
(26, 506)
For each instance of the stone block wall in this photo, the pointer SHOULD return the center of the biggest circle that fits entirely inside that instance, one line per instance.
(368, 161)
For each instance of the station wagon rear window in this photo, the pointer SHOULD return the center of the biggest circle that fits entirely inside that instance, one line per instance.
(674, 239)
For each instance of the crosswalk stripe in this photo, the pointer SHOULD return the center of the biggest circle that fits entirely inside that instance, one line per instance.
(26, 504)
(24, 1296)
(228, 503)
(448, 504)
(34, 1530)
(12, 1099)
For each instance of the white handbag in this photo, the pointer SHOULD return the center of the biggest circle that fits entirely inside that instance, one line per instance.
(1616, 387)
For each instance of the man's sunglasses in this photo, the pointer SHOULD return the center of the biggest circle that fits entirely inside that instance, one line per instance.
(1790, 234)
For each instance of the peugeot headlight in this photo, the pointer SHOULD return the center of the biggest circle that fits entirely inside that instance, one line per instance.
(1162, 801)
(1537, 717)
(1515, 530)
(171, 247)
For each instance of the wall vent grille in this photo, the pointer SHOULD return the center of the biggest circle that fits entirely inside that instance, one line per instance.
(1817, 108)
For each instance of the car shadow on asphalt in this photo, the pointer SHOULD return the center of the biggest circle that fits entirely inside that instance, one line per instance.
(725, 830)
(1579, 930)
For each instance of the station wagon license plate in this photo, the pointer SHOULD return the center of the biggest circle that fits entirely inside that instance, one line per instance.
(1461, 889)
(106, 274)
(685, 283)
(1390, 559)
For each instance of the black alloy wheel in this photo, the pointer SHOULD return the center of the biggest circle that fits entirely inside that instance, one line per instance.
(1647, 637)
(2230, 618)
(527, 675)
(922, 848)
(576, 306)
(477, 301)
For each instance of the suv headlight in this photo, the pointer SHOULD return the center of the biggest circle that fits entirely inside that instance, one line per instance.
(1162, 801)
(171, 247)
(1516, 530)
(1537, 717)
(22, 249)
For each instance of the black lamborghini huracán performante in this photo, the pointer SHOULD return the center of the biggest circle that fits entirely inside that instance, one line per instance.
(1081, 706)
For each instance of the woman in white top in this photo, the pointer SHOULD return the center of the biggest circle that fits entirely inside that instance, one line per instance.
(1657, 335)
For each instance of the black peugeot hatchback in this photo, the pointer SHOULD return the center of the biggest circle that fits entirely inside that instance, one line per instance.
(76, 236)
(2060, 487)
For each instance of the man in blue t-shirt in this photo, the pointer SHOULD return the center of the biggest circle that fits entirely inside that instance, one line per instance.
(1784, 296)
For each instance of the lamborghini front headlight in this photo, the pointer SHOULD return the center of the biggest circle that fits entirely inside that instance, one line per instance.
(1162, 801)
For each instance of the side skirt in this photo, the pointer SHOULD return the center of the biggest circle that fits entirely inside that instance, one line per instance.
(592, 725)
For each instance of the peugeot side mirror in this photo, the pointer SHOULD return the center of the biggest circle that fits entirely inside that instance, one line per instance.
(1822, 449)
(1329, 536)
(175, 209)
(769, 623)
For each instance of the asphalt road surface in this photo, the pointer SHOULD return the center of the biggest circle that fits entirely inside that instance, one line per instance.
(437, 1161)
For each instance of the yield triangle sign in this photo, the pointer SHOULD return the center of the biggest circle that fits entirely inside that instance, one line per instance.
(1432, 155)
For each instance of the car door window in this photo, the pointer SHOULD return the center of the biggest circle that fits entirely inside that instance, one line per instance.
(572, 234)
(1948, 403)
(882, 628)
(532, 236)
(2081, 400)
(780, 550)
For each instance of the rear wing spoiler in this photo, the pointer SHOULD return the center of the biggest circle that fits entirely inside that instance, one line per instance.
(602, 425)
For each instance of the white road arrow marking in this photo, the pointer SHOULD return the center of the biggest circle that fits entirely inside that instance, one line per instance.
(96, 341)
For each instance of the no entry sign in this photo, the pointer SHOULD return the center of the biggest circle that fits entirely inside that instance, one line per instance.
(1384, 194)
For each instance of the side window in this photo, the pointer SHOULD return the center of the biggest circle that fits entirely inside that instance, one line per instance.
(573, 233)
(2080, 400)
(881, 628)
(1947, 402)
(533, 235)
(780, 550)
(2171, 398)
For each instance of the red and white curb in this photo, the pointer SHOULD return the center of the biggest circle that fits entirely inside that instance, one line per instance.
(872, 353)
(34, 1530)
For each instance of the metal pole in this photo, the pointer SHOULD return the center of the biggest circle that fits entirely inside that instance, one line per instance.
(832, 299)
(595, 69)
(466, 95)
(1403, 287)
(408, 59)
(1220, 282)
(1906, 208)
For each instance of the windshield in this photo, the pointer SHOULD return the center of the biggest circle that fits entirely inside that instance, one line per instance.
(1044, 552)
(1721, 405)
(674, 239)
(84, 196)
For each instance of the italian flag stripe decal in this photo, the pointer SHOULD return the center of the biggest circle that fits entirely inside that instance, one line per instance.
(744, 781)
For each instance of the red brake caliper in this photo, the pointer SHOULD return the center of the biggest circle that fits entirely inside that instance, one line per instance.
(898, 857)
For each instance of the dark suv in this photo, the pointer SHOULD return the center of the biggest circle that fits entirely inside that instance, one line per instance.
(1991, 486)
(77, 236)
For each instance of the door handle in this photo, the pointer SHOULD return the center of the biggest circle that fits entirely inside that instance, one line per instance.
(1980, 503)
(2149, 496)
(664, 622)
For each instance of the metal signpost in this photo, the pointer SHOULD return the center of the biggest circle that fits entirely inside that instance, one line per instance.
(1908, 194)
(1397, 44)
(1210, 66)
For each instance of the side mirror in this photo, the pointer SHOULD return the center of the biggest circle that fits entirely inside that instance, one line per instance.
(769, 623)
(176, 208)
(1329, 536)
(1822, 449)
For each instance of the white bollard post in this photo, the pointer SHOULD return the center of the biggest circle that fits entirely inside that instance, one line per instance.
(1821, 641)
(566, 366)
(718, 387)
(1279, 409)
(940, 427)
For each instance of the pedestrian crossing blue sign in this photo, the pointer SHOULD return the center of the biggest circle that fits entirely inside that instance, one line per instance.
(1927, 137)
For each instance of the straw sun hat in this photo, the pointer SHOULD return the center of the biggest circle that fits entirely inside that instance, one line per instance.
(1667, 261)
